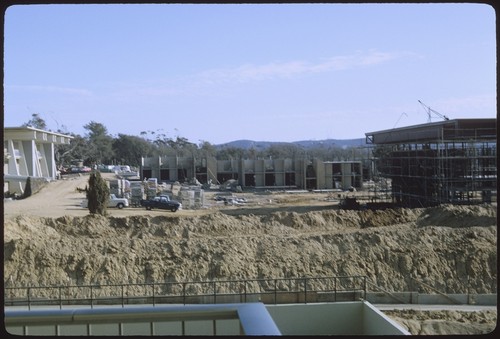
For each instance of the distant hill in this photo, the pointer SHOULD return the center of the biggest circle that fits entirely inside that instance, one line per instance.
(260, 145)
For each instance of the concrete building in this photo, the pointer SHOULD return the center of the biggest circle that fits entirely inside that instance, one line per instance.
(29, 152)
(452, 161)
(255, 319)
(285, 173)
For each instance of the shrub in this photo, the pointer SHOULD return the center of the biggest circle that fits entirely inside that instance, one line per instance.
(97, 194)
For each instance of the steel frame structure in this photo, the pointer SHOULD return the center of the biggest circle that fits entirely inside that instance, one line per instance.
(453, 161)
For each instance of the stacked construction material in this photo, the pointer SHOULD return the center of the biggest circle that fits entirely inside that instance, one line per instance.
(136, 193)
(191, 197)
(117, 187)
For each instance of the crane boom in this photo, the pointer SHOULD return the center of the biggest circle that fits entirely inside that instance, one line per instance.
(429, 110)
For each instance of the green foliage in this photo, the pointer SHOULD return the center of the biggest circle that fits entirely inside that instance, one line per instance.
(99, 144)
(97, 194)
(98, 147)
(36, 122)
(129, 149)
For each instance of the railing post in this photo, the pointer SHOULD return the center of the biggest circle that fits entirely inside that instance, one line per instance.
(275, 291)
(153, 284)
(364, 287)
(60, 298)
(305, 290)
(468, 292)
(29, 301)
(184, 293)
(411, 290)
(335, 288)
(67, 295)
(215, 291)
(353, 284)
(245, 289)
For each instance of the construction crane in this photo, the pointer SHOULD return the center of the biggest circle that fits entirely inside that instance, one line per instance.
(430, 110)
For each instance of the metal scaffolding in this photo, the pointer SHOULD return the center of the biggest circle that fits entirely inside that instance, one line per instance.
(453, 161)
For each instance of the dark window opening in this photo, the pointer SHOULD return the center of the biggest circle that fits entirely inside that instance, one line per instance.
(270, 179)
(250, 180)
(146, 173)
(164, 175)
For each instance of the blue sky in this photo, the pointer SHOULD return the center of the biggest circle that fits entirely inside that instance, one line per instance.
(264, 72)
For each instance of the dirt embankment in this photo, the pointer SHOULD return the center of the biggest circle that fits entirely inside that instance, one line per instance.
(443, 246)
(452, 248)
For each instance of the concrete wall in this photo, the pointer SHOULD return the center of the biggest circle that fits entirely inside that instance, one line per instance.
(342, 318)
(374, 322)
(262, 172)
(30, 153)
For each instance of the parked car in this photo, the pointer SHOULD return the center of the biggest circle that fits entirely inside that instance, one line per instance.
(83, 169)
(161, 202)
(113, 201)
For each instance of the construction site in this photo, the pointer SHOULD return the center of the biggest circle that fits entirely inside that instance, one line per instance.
(300, 173)
(450, 161)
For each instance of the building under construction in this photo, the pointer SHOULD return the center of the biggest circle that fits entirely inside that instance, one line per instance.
(452, 161)
(289, 173)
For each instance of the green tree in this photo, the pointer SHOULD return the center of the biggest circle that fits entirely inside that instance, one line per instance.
(77, 149)
(230, 152)
(206, 149)
(129, 149)
(281, 150)
(159, 141)
(97, 194)
(182, 146)
(36, 121)
(99, 144)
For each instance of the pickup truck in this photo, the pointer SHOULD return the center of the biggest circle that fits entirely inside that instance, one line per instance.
(113, 201)
(161, 202)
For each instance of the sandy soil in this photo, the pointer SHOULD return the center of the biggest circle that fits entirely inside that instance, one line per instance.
(49, 239)
(61, 197)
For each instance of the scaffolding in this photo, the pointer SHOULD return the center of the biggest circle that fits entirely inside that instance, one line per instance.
(453, 161)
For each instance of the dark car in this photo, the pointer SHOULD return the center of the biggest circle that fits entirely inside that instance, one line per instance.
(161, 202)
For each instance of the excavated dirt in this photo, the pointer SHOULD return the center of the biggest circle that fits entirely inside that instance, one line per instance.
(50, 240)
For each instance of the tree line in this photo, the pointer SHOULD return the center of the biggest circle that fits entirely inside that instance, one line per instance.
(97, 146)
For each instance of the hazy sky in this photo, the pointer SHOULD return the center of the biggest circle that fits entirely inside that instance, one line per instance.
(270, 72)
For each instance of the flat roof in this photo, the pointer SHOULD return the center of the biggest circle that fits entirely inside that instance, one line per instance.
(28, 133)
(30, 128)
(455, 129)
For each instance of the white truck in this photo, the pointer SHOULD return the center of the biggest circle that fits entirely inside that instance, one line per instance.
(113, 201)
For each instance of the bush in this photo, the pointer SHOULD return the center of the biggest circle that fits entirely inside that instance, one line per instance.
(97, 194)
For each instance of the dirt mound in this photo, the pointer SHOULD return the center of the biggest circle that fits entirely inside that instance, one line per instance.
(458, 216)
(387, 246)
(445, 322)
(452, 248)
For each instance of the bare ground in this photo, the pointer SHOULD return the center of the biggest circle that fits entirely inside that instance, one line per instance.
(50, 239)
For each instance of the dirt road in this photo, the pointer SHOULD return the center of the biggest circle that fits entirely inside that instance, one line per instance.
(61, 198)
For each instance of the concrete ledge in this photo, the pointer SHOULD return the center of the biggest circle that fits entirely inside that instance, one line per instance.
(430, 299)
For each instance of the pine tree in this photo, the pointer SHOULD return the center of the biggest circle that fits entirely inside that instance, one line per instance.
(97, 194)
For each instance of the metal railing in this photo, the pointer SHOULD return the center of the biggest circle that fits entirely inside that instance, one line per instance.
(267, 291)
